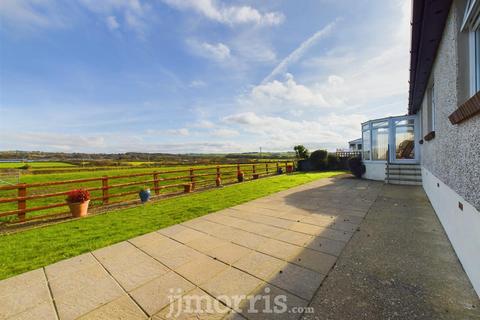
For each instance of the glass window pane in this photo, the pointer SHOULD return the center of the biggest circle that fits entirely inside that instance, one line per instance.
(379, 144)
(380, 124)
(405, 142)
(366, 144)
(406, 122)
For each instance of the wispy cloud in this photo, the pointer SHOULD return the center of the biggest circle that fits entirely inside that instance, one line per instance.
(296, 54)
(230, 15)
(214, 51)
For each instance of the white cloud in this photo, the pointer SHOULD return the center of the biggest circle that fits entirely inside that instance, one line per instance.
(112, 23)
(283, 94)
(214, 51)
(224, 133)
(178, 132)
(197, 84)
(298, 53)
(133, 11)
(230, 15)
(31, 13)
(329, 131)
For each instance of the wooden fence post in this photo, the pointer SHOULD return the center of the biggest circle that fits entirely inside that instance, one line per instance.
(266, 167)
(238, 168)
(192, 178)
(278, 167)
(286, 165)
(218, 180)
(253, 168)
(155, 183)
(22, 204)
(105, 190)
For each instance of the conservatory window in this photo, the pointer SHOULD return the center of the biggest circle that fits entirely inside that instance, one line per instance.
(366, 144)
(380, 143)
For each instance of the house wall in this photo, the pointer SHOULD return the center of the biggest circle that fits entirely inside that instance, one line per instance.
(374, 170)
(451, 161)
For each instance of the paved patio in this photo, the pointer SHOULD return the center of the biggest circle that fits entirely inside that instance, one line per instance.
(283, 245)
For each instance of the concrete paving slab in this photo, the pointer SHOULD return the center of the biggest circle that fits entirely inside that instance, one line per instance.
(196, 304)
(78, 291)
(279, 249)
(314, 260)
(273, 303)
(228, 253)
(176, 257)
(155, 295)
(260, 265)
(128, 265)
(181, 233)
(332, 247)
(201, 270)
(25, 295)
(123, 308)
(231, 285)
(298, 280)
(293, 237)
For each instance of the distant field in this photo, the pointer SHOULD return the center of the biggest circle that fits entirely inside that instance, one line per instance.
(43, 164)
(228, 175)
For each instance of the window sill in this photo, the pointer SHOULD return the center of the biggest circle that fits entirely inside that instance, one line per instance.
(467, 110)
(429, 136)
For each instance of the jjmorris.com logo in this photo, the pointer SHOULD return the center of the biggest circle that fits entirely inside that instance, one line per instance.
(197, 304)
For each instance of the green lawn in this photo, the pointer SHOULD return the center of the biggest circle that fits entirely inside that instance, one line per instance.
(31, 249)
(42, 164)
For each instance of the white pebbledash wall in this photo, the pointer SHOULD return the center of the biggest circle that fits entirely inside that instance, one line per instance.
(375, 170)
(451, 161)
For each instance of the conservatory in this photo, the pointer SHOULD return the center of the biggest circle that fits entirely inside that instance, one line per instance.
(389, 140)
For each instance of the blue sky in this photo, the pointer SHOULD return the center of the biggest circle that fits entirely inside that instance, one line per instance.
(198, 75)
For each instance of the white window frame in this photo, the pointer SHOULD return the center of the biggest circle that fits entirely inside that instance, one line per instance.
(431, 108)
(471, 24)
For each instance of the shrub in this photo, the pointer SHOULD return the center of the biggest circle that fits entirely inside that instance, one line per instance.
(332, 162)
(318, 159)
(78, 195)
(356, 167)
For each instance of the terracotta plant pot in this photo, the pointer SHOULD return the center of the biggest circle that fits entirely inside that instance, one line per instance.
(79, 209)
(289, 168)
(218, 181)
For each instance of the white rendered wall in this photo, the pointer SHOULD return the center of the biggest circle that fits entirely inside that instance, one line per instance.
(461, 226)
(375, 170)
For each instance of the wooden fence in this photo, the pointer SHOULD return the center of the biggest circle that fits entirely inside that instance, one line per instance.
(14, 206)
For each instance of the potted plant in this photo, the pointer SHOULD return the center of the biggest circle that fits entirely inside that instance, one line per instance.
(255, 176)
(218, 181)
(289, 168)
(240, 176)
(78, 201)
(144, 194)
(279, 171)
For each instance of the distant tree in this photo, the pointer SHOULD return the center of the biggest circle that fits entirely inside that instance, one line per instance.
(301, 152)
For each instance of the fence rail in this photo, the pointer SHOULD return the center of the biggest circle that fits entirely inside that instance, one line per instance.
(23, 202)
(348, 154)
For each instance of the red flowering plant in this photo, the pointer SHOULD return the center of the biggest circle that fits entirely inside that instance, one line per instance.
(78, 195)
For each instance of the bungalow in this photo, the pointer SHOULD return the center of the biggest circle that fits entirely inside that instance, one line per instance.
(437, 144)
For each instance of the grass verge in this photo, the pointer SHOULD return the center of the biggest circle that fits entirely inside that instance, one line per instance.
(32, 249)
